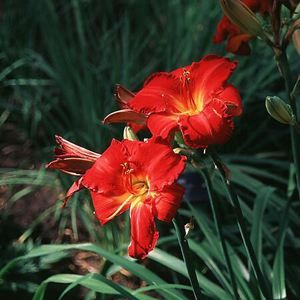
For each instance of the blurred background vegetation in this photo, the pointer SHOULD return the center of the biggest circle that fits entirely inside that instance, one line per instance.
(59, 62)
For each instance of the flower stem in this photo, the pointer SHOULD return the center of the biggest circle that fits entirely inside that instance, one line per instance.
(185, 250)
(285, 71)
(217, 221)
(242, 228)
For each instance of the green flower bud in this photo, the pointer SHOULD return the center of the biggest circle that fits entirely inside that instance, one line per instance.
(129, 134)
(280, 111)
(240, 15)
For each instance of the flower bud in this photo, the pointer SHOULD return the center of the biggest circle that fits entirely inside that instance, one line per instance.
(188, 228)
(296, 31)
(296, 40)
(240, 14)
(280, 111)
(178, 150)
(128, 134)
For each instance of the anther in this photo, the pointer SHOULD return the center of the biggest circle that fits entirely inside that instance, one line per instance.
(186, 73)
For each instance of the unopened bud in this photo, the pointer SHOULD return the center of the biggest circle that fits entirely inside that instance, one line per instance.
(188, 228)
(296, 35)
(296, 40)
(129, 134)
(186, 152)
(240, 14)
(280, 111)
(178, 150)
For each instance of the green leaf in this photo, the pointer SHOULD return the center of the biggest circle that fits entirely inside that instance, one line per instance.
(212, 244)
(97, 283)
(162, 286)
(201, 252)
(278, 282)
(90, 283)
(135, 268)
(261, 201)
(178, 265)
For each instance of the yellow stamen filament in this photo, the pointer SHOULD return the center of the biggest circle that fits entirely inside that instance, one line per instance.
(126, 201)
(189, 103)
(137, 188)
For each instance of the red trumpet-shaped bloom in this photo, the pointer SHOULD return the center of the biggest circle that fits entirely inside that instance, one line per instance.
(237, 41)
(196, 100)
(139, 176)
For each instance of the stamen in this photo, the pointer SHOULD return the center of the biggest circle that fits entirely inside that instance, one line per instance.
(134, 203)
(127, 200)
(185, 92)
(127, 176)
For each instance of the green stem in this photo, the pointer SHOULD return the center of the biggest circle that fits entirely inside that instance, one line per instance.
(217, 221)
(185, 250)
(242, 228)
(284, 68)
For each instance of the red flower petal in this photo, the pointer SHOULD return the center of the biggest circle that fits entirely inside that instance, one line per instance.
(123, 95)
(238, 44)
(160, 93)
(109, 205)
(73, 165)
(261, 6)
(137, 127)
(125, 115)
(225, 29)
(106, 173)
(232, 99)
(75, 187)
(167, 202)
(143, 231)
(209, 76)
(161, 124)
(69, 149)
(157, 161)
(208, 127)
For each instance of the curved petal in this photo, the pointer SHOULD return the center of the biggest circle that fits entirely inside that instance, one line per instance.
(232, 99)
(143, 231)
(238, 44)
(106, 173)
(72, 165)
(157, 162)
(211, 126)
(167, 202)
(69, 149)
(109, 205)
(224, 29)
(75, 187)
(208, 77)
(138, 127)
(161, 124)
(123, 95)
(125, 115)
(160, 93)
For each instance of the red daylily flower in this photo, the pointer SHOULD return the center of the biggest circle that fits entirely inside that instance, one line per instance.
(139, 176)
(237, 41)
(196, 100)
